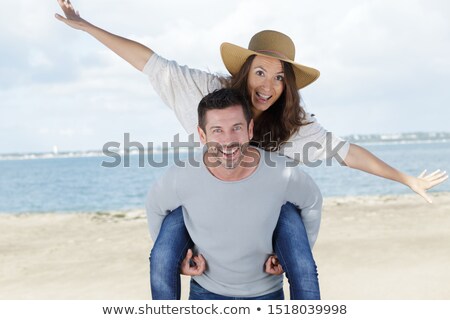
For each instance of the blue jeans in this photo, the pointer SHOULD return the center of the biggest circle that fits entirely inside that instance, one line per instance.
(166, 256)
(290, 244)
(197, 292)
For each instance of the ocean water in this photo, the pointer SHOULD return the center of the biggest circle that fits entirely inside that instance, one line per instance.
(83, 184)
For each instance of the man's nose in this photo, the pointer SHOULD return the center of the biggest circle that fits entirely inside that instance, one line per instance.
(228, 138)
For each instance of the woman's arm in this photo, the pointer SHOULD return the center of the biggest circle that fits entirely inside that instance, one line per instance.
(131, 51)
(361, 159)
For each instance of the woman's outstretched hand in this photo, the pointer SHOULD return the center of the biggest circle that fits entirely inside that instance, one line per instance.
(72, 18)
(425, 181)
(131, 51)
(362, 159)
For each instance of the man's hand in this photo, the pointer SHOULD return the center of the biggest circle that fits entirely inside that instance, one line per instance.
(193, 270)
(273, 266)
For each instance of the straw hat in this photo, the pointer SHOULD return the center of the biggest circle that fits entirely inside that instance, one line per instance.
(268, 43)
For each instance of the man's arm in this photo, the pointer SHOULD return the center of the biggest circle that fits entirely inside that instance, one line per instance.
(161, 200)
(303, 192)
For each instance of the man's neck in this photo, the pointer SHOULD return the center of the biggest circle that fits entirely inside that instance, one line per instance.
(248, 164)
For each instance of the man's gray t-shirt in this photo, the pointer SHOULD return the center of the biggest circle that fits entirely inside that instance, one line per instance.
(232, 222)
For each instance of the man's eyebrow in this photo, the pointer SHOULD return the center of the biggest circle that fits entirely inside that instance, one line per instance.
(220, 127)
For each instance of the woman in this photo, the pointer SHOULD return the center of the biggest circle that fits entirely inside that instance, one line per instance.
(267, 74)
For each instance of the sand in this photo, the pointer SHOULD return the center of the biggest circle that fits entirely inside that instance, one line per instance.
(384, 247)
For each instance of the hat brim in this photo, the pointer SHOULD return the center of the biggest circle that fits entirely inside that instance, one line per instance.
(234, 58)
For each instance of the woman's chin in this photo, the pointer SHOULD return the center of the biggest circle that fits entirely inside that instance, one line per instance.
(259, 108)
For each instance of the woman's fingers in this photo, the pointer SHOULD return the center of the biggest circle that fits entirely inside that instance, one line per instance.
(422, 174)
(437, 175)
(67, 8)
(425, 182)
(433, 173)
(438, 180)
(60, 17)
(435, 178)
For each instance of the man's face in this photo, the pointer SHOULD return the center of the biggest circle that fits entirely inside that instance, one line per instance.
(226, 133)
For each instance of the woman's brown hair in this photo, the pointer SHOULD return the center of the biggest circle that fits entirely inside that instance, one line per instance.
(284, 118)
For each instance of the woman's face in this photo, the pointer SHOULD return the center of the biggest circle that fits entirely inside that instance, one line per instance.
(265, 83)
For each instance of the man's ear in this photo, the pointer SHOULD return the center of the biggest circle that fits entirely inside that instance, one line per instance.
(202, 135)
(250, 129)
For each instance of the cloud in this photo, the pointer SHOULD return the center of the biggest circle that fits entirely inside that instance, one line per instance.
(383, 63)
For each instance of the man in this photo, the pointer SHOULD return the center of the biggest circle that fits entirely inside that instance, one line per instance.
(231, 200)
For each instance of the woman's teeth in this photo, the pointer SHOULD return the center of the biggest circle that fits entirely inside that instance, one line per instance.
(263, 96)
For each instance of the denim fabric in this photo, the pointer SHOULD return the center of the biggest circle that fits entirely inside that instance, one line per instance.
(290, 244)
(166, 256)
(197, 292)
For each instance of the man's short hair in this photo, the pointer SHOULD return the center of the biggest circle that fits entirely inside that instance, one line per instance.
(222, 99)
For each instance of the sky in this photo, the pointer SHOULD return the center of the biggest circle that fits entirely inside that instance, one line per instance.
(384, 65)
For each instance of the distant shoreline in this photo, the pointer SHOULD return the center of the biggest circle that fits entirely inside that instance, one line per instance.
(134, 213)
(98, 153)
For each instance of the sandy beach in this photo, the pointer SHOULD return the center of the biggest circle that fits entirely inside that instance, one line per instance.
(383, 247)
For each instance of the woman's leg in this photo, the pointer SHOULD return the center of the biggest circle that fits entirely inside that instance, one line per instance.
(292, 248)
(166, 256)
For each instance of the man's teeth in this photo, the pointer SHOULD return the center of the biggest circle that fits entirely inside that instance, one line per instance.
(229, 152)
